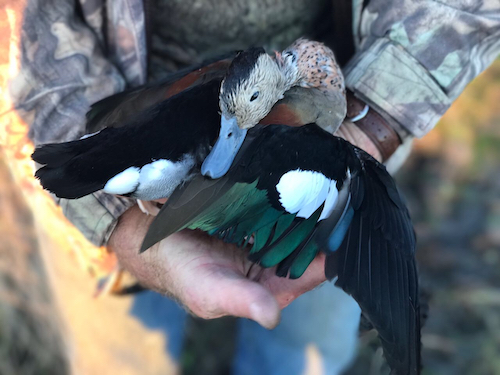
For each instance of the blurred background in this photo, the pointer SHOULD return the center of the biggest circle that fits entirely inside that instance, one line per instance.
(452, 185)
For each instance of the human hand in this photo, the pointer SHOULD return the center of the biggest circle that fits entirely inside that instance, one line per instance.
(209, 277)
(353, 134)
(212, 278)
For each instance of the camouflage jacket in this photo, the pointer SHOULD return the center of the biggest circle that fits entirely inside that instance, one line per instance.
(413, 58)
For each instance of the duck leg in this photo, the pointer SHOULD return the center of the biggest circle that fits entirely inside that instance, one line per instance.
(150, 207)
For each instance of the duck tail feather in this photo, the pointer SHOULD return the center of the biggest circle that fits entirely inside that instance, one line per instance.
(68, 170)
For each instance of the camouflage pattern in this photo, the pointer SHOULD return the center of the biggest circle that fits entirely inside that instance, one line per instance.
(413, 59)
(69, 62)
(182, 29)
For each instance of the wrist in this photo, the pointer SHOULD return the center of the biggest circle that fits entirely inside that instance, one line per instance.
(354, 135)
(383, 138)
(129, 231)
(125, 241)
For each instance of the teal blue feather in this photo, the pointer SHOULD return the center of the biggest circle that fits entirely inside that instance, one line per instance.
(261, 238)
(270, 216)
(338, 234)
(283, 223)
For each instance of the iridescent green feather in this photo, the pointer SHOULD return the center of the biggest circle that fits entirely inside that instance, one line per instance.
(261, 228)
(280, 250)
(240, 203)
(245, 210)
(303, 260)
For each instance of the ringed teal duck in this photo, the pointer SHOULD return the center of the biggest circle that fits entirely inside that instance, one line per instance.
(146, 141)
(298, 191)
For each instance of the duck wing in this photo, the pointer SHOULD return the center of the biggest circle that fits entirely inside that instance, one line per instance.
(246, 203)
(118, 110)
(299, 191)
(169, 139)
(234, 211)
(375, 263)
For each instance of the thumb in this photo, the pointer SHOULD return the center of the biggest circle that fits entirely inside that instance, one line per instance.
(227, 292)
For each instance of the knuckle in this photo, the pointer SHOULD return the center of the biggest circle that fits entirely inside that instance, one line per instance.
(202, 307)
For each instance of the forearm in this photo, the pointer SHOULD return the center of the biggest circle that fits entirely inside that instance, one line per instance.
(63, 71)
(352, 133)
(415, 58)
(125, 242)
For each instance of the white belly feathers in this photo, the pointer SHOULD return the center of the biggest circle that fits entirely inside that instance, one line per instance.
(155, 180)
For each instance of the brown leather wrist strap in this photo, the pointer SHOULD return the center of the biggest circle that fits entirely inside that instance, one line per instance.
(374, 126)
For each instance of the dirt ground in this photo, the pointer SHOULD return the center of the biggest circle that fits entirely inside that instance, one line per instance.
(452, 184)
(30, 339)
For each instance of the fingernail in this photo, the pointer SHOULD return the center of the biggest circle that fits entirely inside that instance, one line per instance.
(266, 319)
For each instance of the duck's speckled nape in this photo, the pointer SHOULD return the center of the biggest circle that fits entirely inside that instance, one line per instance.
(312, 65)
(316, 65)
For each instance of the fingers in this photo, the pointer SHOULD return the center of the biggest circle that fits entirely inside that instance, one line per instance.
(286, 290)
(148, 207)
(227, 292)
(209, 278)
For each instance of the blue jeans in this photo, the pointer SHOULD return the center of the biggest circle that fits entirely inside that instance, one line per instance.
(317, 334)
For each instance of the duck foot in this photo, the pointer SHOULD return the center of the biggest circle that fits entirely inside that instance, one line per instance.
(149, 207)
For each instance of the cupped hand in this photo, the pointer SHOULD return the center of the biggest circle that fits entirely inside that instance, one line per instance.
(209, 277)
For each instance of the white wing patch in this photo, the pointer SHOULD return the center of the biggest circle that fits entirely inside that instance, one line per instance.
(303, 192)
(321, 192)
(331, 201)
(124, 182)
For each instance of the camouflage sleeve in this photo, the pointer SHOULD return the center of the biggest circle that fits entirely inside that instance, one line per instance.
(415, 57)
(63, 71)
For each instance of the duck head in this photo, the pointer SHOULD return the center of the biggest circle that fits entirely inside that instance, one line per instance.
(255, 82)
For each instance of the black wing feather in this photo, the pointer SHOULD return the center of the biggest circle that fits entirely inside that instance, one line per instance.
(56, 154)
(117, 110)
(376, 265)
(62, 170)
(168, 131)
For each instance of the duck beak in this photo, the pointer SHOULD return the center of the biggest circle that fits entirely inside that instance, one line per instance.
(231, 137)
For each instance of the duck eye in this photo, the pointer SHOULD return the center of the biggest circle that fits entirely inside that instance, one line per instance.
(254, 96)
